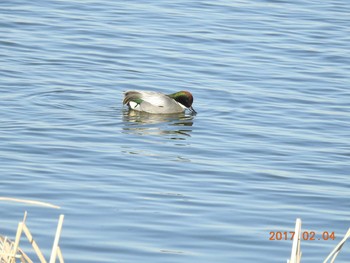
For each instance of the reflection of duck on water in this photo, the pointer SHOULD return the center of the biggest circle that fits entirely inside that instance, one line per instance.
(167, 124)
(157, 102)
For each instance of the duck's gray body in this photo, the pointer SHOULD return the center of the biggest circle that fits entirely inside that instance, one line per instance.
(152, 102)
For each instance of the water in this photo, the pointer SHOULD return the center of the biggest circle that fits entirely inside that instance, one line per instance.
(270, 142)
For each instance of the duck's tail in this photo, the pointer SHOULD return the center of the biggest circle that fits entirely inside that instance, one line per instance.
(134, 96)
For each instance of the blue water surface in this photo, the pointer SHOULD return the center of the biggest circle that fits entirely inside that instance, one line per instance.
(270, 142)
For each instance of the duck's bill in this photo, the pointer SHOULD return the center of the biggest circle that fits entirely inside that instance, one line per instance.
(192, 110)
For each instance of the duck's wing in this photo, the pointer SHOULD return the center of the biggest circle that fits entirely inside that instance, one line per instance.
(156, 99)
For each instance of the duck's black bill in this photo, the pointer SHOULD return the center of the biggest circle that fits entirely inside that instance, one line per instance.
(192, 110)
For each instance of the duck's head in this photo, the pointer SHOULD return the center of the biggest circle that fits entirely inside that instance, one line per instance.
(185, 98)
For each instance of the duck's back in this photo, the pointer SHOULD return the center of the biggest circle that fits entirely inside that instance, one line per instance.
(152, 102)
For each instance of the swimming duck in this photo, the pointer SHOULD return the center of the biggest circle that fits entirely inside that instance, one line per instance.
(157, 102)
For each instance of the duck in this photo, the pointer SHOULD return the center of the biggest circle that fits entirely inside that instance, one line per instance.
(158, 103)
